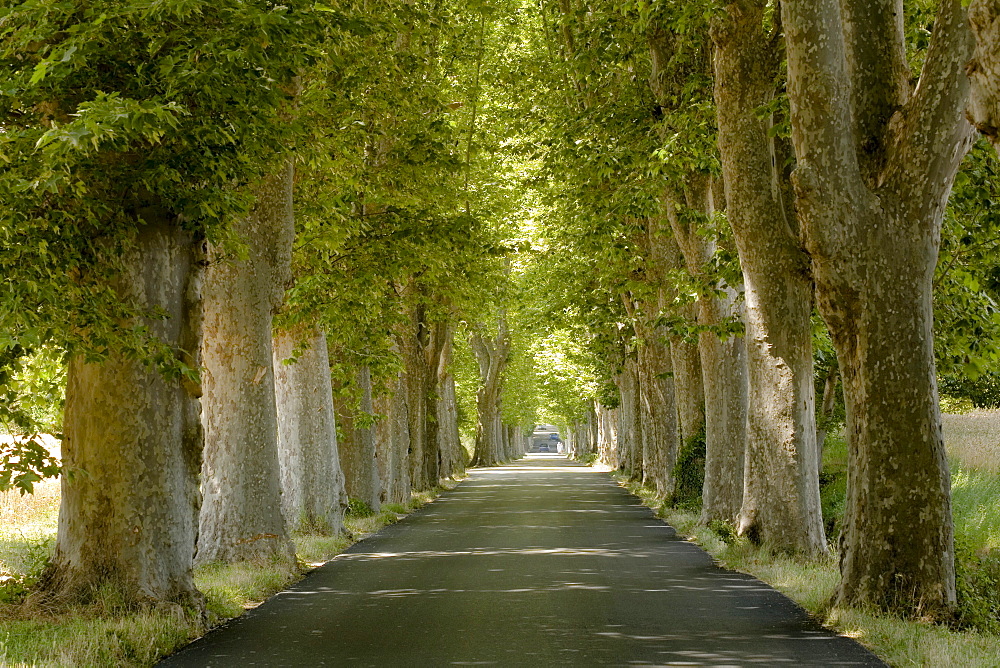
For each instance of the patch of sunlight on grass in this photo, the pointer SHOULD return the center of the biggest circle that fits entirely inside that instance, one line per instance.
(976, 507)
(316, 549)
(809, 583)
(31, 512)
(28, 526)
(230, 589)
(910, 643)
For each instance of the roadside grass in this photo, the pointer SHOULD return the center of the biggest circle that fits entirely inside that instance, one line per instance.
(973, 442)
(105, 634)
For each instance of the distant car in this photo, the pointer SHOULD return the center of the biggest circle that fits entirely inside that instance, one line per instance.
(543, 448)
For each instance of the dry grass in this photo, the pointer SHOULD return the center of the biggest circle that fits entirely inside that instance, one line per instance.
(27, 535)
(30, 512)
(973, 439)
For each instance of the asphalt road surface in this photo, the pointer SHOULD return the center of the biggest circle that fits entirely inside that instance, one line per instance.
(540, 563)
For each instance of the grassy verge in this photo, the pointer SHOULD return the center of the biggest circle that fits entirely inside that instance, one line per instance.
(900, 642)
(811, 584)
(106, 634)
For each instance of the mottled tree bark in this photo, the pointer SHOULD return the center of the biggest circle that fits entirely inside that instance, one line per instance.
(629, 426)
(449, 442)
(313, 497)
(592, 429)
(357, 451)
(658, 378)
(492, 354)
(131, 520)
(422, 345)
(984, 69)
(724, 363)
(689, 385)
(512, 443)
(412, 339)
(781, 504)
(658, 408)
(607, 436)
(876, 161)
(434, 351)
(392, 435)
(241, 515)
(584, 441)
(723, 383)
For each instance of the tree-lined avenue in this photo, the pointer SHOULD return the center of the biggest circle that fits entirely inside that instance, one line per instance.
(573, 569)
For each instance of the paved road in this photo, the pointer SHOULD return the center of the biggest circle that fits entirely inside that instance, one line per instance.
(541, 563)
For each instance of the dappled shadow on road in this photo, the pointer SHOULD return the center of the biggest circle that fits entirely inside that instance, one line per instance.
(540, 563)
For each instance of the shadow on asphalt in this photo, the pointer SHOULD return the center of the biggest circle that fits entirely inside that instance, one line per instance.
(544, 562)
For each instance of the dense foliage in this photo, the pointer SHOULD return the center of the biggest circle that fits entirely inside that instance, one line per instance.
(502, 170)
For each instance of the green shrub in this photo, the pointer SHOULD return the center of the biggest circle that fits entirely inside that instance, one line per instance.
(359, 508)
(725, 531)
(977, 579)
(689, 472)
(833, 498)
(975, 494)
(983, 392)
(833, 483)
(22, 565)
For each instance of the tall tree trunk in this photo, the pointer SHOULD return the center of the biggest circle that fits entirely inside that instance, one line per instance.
(358, 453)
(393, 443)
(827, 405)
(592, 429)
(420, 352)
(723, 359)
(689, 384)
(439, 334)
(131, 520)
(629, 429)
(689, 202)
(607, 436)
(781, 504)
(449, 441)
(492, 355)
(411, 347)
(241, 514)
(876, 161)
(657, 377)
(724, 364)
(313, 497)
(660, 436)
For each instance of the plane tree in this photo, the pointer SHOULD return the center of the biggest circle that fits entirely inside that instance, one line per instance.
(132, 134)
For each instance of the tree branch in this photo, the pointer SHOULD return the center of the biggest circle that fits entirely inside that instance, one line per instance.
(984, 69)
(878, 71)
(934, 135)
(827, 167)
